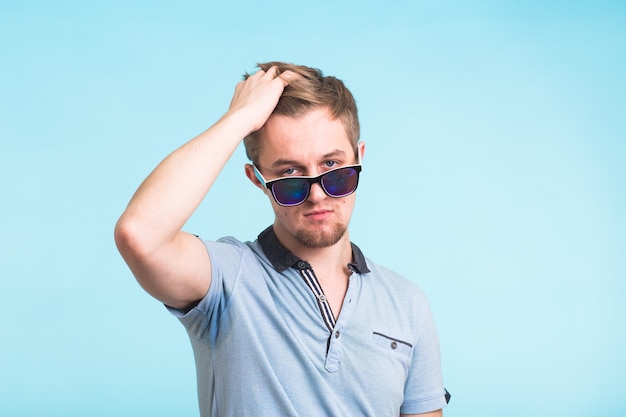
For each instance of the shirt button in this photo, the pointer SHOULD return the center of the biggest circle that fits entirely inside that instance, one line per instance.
(322, 298)
(337, 334)
(301, 265)
(394, 345)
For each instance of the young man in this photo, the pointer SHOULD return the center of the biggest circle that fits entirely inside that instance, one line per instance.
(298, 322)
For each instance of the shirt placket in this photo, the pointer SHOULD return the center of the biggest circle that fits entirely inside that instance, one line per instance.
(307, 274)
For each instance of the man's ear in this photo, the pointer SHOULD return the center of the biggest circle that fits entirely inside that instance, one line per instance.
(252, 177)
(361, 150)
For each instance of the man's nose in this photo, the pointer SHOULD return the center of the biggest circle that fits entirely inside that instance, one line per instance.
(316, 194)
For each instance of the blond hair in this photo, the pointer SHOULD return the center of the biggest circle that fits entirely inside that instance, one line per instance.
(311, 91)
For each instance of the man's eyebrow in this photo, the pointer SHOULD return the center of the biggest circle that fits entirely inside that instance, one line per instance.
(282, 162)
(334, 154)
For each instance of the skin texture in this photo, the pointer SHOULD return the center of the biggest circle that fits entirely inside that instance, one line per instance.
(437, 413)
(308, 146)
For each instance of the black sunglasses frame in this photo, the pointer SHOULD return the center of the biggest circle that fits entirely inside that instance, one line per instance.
(310, 181)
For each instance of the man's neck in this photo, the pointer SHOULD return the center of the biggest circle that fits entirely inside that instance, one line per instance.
(329, 260)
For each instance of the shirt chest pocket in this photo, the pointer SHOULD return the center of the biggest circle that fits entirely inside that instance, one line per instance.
(391, 345)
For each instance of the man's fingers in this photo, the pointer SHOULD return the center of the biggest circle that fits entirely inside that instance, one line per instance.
(272, 72)
(260, 73)
(288, 76)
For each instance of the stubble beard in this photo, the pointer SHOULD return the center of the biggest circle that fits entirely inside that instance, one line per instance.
(318, 239)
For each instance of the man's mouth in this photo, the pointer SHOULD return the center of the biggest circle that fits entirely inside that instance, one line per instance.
(318, 215)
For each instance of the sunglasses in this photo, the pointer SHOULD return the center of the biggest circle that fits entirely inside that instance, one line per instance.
(291, 191)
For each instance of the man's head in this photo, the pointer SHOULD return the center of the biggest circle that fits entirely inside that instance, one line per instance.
(312, 90)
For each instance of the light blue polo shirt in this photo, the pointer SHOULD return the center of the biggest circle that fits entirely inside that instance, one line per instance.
(264, 344)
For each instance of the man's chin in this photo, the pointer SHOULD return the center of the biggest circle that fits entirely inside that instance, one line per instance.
(319, 239)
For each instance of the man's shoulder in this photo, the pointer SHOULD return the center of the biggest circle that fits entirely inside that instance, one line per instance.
(386, 277)
(230, 247)
(225, 241)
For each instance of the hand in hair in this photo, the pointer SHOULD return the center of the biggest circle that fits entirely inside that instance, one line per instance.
(256, 97)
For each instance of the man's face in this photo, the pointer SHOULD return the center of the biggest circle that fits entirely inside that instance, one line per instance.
(307, 146)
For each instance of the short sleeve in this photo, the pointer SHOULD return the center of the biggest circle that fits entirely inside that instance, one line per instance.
(424, 390)
(225, 255)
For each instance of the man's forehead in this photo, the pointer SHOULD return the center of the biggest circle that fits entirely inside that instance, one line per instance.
(283, 160)
(314, 136)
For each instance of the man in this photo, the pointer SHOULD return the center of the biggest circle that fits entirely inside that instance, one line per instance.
(298, 322)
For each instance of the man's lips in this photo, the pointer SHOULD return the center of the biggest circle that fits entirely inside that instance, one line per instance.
(319, 214)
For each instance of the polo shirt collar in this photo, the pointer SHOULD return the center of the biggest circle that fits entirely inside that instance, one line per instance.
(281, 258)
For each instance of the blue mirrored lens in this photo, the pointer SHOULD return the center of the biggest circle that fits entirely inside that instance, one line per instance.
(290, 191)
(340, 182)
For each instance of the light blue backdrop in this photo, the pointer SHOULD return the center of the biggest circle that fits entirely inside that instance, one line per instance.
(494, 178)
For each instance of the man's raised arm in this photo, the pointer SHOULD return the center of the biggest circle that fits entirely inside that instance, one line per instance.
(172, 265)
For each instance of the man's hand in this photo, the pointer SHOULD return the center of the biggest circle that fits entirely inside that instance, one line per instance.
(256, 97)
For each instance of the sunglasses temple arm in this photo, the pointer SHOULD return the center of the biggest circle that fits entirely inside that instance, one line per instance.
(259, 177)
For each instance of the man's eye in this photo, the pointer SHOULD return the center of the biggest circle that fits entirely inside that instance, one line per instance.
(330, 164)
(289, 171)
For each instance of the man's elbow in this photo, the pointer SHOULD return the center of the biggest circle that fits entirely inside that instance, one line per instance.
(129, 241)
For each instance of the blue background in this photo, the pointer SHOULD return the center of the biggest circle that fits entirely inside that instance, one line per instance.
(494, 178)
